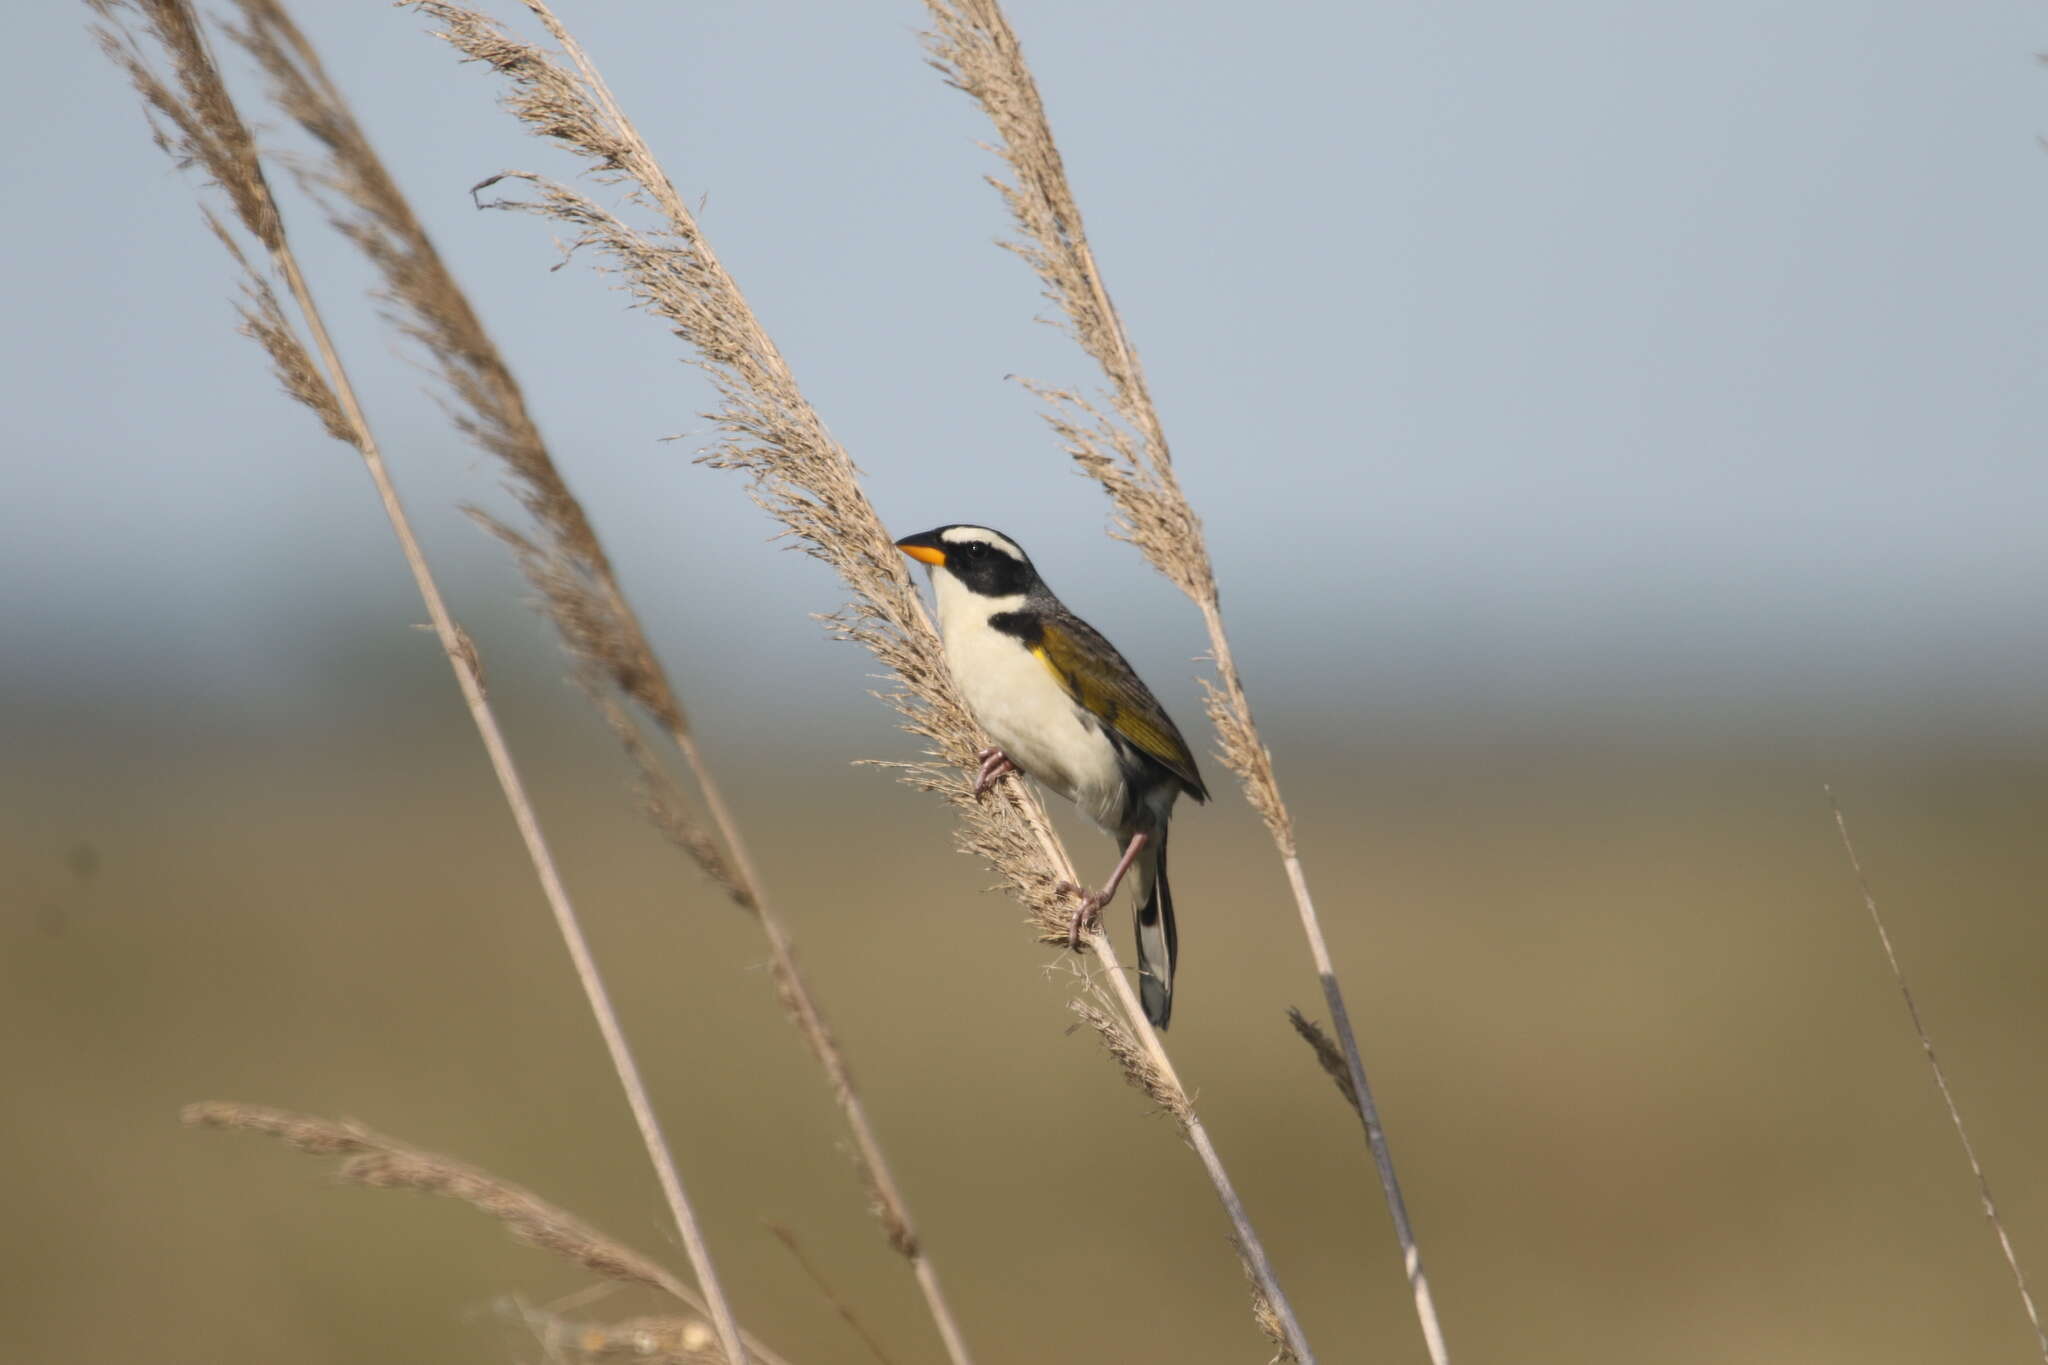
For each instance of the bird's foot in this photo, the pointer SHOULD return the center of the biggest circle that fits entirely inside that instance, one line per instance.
(1087, 915)
(1092, 902)
(995, 766)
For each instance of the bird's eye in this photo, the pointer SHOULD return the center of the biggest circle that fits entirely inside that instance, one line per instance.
(976, 550)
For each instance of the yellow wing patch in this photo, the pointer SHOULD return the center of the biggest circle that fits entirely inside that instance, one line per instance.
(1102, 683)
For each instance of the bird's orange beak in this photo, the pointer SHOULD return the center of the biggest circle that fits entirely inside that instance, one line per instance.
(923, 548)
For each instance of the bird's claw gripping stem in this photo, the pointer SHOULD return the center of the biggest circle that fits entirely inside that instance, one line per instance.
(995, 766)
(1086, 914)
(1092, 902)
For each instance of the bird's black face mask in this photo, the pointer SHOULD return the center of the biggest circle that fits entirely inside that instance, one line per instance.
(987, 570)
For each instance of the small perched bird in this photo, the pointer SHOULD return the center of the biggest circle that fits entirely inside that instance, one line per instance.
(1062, 706)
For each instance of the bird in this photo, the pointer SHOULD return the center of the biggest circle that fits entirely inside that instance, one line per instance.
(1061, 706)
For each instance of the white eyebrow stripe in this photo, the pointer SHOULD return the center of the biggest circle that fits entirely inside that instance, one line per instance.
(964, 535)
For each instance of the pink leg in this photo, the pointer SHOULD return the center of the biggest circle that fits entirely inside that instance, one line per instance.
(995, 766)
(1093, 901)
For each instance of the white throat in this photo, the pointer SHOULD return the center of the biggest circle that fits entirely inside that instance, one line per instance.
(963, 611)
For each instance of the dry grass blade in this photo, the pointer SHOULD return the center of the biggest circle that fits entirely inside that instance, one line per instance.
(1124, 448)
(385, 1163)
(196, 121)
(1948, 1099)
(825, 1290)
(798, 473)
(562, 558)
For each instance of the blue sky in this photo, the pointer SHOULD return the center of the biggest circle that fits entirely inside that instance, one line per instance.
(1610, 364)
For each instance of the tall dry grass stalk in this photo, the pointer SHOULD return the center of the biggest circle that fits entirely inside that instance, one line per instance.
(566, 563)
(1948, 1099)
(804, 479)
(378, 1162)
(163, 50)
(1125, 449)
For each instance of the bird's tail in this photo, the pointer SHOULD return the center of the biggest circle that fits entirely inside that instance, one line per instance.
(1158, 940)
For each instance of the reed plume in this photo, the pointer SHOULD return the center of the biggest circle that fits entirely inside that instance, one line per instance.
(163, 50)
(642, 1340)
(374, 1161)
(1123, 447)
(566, 564)
(802, 477)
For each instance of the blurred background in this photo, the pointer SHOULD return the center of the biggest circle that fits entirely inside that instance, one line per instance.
(1612, 423)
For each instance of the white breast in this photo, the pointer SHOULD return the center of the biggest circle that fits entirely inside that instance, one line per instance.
(1016, 699)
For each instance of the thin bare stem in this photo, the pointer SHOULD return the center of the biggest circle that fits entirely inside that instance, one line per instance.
(200, 99)
(1125, 449)
(565, 561)
(788, 1238)
(1948, 1099)
(801, 476)
(1156, 1076)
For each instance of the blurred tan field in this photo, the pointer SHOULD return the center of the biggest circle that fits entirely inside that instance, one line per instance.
(1653, 1094)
